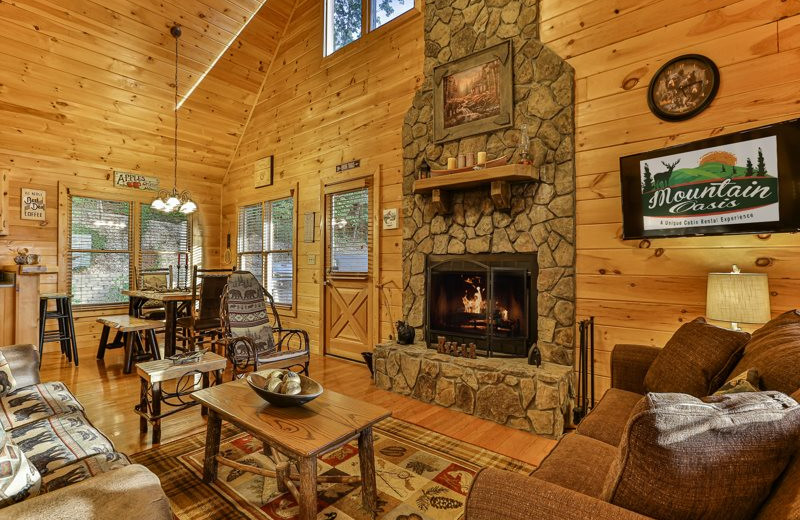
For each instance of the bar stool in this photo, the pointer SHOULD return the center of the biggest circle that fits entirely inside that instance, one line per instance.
(66, 325)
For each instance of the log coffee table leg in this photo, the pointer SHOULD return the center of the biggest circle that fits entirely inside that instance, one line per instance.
(366, 455)
(308, 488)
(213, 432)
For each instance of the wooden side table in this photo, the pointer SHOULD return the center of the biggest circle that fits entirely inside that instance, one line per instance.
(153, 373)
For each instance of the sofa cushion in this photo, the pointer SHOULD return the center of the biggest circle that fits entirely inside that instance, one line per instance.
(680, 456)
(7, 382)
(696, 360)
(35, 402)
(608, 418)
(578, 463)
(82, 469)
(784, 501)
(59, 440)
(774, 350)
(18, 477)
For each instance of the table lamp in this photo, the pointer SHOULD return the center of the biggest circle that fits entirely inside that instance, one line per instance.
(738, 297)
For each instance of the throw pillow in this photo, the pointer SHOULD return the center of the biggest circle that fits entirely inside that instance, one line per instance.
(19, 479)
(696, 360)
(774, 351)
(7, 382)
(684, 458)
(747, 381)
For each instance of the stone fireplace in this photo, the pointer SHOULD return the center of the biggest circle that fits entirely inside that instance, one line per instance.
(539, 223)
(541, 220)
(489, 300)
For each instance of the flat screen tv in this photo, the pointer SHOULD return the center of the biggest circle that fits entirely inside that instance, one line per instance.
(742, 183)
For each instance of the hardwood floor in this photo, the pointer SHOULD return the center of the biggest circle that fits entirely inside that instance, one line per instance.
(109, 396)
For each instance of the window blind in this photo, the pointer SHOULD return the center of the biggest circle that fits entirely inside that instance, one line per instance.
(165, 240)
(265, 245)
(349, 245)
(100, 250)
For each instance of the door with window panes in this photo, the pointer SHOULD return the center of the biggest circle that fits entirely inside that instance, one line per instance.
(348, 270)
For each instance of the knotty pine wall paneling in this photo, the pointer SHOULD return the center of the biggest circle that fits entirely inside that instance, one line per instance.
(641, 295)
(87, 88)
(315, 112)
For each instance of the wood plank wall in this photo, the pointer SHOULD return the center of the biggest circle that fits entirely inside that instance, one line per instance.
(315, 113)
(643, 295)
(86, 88)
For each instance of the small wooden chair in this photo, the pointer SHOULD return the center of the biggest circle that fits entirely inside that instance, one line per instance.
(204, 323)
(137, 347)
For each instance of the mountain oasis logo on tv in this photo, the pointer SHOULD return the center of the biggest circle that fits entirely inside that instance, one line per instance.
(729, 184)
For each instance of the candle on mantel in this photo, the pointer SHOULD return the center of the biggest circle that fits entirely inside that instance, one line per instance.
(452, 163)
(481, 158)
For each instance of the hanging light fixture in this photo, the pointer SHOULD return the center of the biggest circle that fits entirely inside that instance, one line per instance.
(169, 201)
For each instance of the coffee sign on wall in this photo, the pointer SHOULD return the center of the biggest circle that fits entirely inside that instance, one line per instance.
(33, 204)
(135, 181)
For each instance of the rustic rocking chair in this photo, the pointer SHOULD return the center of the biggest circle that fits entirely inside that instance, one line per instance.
(252, 340)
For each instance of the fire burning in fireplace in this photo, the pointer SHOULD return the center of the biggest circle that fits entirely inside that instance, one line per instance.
(474, 304)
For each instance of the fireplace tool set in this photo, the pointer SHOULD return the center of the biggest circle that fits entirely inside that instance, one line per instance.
(452, 348)
(585, 399)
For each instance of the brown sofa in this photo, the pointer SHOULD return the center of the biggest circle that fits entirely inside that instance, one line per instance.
(569, 482)
(82, 475)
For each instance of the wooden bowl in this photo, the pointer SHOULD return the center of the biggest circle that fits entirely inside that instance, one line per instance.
(309, 390)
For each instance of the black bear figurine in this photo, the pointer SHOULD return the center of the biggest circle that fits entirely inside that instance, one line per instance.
(405, 333)
(535, 356)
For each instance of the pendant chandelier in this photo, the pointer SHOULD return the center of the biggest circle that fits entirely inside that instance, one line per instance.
(169, 201)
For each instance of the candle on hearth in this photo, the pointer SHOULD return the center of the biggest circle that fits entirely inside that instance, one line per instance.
(462, 160)
(452, 163)
(481, 158)
(470, 160)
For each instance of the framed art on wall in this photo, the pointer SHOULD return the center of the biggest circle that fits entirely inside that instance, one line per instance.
(474, 94)
(262, 172)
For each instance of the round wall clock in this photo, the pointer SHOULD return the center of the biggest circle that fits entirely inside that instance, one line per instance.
(683, 87)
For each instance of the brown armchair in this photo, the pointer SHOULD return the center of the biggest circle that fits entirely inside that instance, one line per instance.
(253, 336)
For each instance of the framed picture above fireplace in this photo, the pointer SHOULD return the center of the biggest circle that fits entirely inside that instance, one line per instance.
(474, 94)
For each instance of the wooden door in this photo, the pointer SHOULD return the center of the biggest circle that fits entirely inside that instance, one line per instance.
(348, 278)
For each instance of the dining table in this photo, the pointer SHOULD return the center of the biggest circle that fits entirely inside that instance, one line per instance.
(173, 300)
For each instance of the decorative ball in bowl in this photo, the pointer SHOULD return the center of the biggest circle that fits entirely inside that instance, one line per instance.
(284, 387)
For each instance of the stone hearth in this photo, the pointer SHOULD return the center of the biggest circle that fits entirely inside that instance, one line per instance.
(507, 391)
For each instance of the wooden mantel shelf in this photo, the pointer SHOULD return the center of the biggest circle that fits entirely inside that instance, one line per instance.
(507, 173)
(499, 178)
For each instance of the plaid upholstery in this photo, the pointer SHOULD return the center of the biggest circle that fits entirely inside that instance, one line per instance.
(578, 463)
(696, 360)
(35, 402)
(247, 313)
(83, 469)
(60, 440)
(680, 456)
(774, 351)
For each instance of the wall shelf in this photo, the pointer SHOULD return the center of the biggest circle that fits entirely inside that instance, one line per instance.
(499, 178)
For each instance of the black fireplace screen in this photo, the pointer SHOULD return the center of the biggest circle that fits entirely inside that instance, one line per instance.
(489, 300)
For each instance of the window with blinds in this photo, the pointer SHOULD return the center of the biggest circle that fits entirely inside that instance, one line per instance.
(164, 241)
(100, 252)
(265, 246)
(349, 232)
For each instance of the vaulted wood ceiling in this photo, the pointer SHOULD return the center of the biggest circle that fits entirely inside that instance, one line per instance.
(91, 81)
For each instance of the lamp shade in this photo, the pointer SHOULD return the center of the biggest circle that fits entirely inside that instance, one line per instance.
(738, 297)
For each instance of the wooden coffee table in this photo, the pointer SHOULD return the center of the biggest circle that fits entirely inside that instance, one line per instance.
(301, 433)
